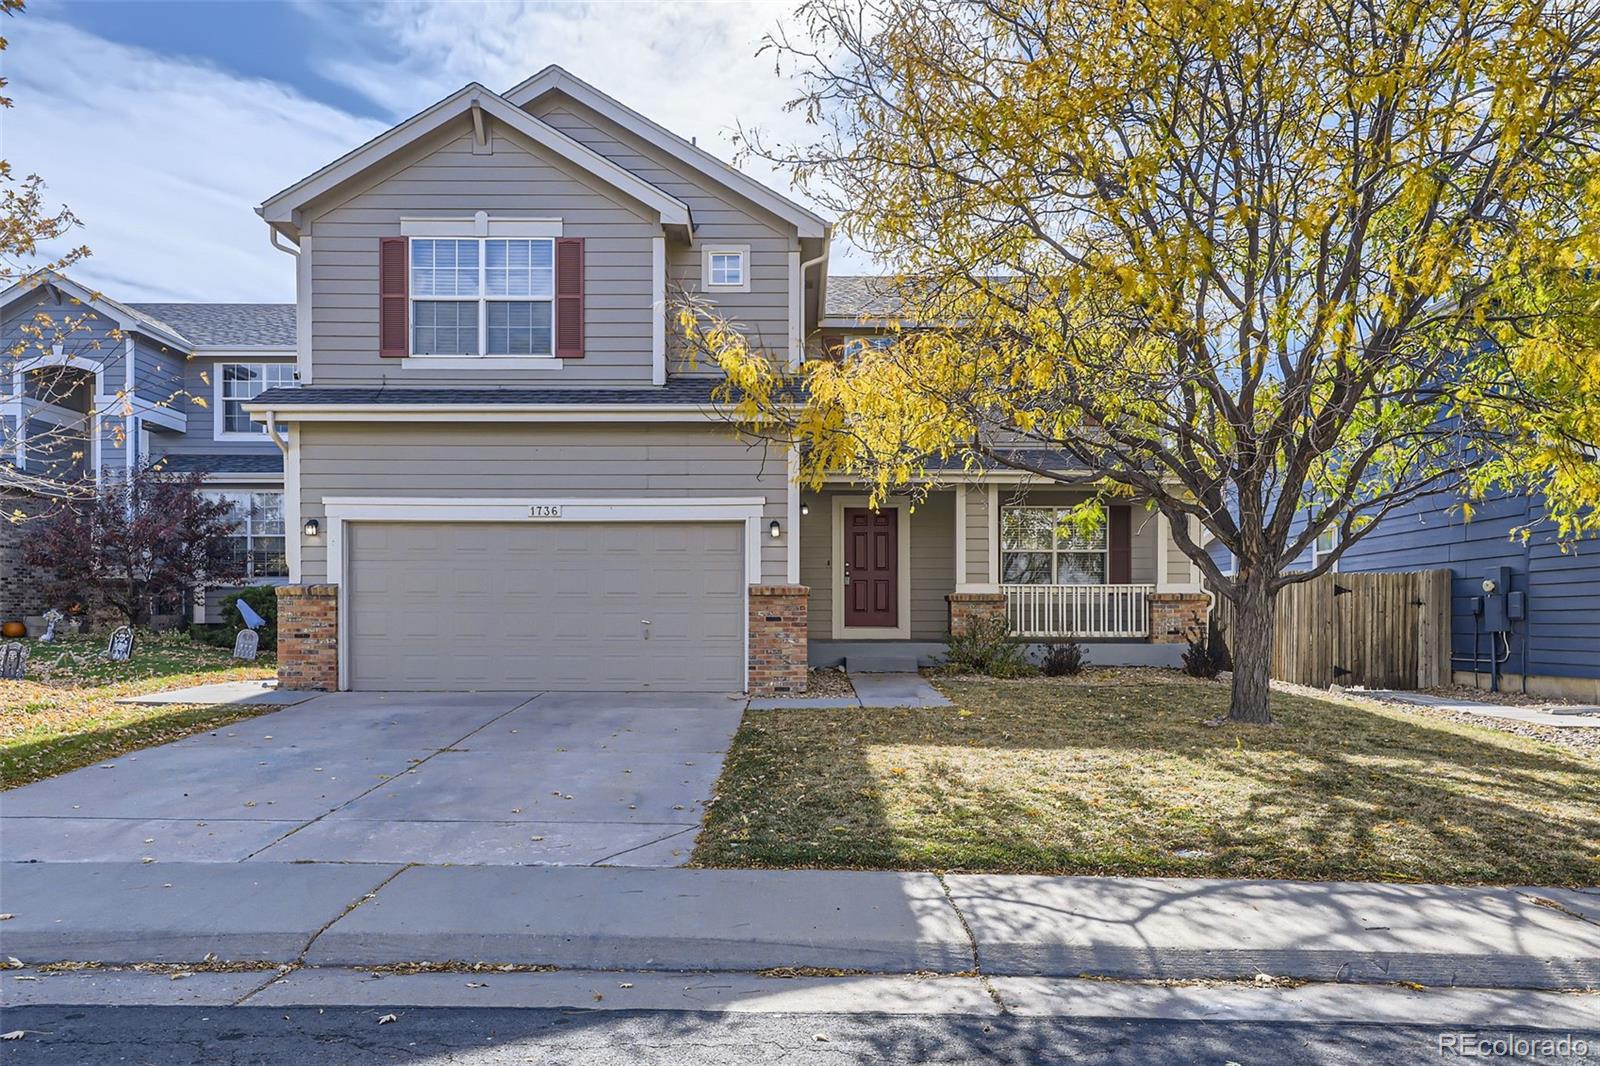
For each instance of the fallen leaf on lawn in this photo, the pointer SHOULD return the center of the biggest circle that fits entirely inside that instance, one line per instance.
(13, 963)
(387, 1018)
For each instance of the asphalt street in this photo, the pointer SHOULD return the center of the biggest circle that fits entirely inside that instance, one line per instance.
(348, 1036)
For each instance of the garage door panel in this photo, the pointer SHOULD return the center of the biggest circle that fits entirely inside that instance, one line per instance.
(546, 605)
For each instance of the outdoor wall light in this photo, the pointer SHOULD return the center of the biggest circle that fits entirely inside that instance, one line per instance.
(805, 508)
(313, 527)
(1489, 585)
(775, 529)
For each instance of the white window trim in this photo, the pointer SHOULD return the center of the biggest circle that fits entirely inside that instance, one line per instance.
(502, 361)
(218, 411)
(709, 250)
(481, 224)
(224, 492)
(338, 511)
(902, 631)
(1053, 550)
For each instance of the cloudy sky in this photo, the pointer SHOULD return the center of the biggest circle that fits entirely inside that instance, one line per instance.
(163, 124)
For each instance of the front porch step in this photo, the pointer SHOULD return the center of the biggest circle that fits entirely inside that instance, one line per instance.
(884, 661)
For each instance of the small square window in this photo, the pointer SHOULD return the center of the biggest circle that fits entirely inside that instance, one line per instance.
(727, 267)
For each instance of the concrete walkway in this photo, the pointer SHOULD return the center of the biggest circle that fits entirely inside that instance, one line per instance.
(1559, 715)
(576, 918)
(244, 693)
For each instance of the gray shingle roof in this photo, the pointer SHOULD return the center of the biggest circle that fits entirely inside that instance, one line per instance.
(861, 296)
(684, 390)
(210, 463)
(221, 325)
(1036, 458)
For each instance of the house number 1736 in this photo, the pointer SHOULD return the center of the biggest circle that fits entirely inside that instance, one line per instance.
(545, 510)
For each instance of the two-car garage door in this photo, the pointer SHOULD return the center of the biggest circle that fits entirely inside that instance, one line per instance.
(568, 606)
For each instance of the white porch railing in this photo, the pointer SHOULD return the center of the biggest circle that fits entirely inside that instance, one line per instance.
(1098, 611)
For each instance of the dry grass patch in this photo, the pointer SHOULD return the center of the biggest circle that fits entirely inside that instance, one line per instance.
(1102, 777)
(65, 714)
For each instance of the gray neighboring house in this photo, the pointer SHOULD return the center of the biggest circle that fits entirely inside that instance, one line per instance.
(501, 473)
(91, 386)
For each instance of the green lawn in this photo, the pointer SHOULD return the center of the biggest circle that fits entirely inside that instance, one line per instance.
(64, 715)
(1130, 775)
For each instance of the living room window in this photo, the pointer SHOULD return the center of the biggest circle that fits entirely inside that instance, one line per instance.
(492, 296)
(257, 542)
(237, 384)
(1038, 548)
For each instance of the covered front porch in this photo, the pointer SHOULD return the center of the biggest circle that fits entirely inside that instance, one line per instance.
(914, 571)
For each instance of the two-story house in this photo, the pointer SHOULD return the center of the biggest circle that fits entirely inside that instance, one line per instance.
(91, 386)
(499, 473)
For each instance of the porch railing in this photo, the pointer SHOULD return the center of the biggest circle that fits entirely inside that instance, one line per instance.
(1089, 611)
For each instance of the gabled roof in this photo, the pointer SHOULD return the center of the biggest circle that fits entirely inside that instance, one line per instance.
(858, 296)
(270, 462)
(279, 210)
(227, 325)
(553, 78)
(125, 316)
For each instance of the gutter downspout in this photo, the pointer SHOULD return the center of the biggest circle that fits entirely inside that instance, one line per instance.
(822, 257)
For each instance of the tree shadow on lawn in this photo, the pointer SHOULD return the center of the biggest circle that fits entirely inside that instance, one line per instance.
(1049, 776)
(26, 761)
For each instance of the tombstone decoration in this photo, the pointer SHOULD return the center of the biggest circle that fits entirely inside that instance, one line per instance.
(245, 644)
(52, 618)
(13, 661)
(121, 647)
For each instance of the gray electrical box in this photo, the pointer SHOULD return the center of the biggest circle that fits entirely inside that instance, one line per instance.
(1496, 596)
(1517, 606)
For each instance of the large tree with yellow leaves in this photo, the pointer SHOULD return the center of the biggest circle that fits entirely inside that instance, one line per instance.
(1281, 265)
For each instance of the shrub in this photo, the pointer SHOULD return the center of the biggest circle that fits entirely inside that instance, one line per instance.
(987, 648)
(1063, 660)
(1207, 655)
(263, 599)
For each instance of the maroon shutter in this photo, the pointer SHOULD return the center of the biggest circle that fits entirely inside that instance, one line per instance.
(393, 332)
(1119, 534)
(569, 298)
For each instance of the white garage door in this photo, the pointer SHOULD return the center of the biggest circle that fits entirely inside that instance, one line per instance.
(507, 606)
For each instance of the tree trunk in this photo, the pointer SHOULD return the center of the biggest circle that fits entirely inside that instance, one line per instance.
(1252, 653)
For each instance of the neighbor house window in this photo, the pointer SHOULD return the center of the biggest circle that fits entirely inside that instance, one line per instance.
(1037, 548)
(482, 296)
(1326, 541)
(237, 384)
(257, 542)
(727, 267)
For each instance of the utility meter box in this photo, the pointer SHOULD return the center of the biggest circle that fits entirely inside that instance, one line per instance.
(1496, 597)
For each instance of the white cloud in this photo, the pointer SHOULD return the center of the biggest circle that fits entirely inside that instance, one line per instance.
(164, 160)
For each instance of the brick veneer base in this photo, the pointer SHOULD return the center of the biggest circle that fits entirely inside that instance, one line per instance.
(308, 637)
(1174, 616)
(969, 607)
(777, 639)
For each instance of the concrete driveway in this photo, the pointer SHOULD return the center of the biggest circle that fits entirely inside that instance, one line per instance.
(465, 778)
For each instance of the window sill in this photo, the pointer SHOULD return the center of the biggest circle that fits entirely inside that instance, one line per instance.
(485, 362)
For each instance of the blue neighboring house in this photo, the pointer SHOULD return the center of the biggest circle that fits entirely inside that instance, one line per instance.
(1551, 645)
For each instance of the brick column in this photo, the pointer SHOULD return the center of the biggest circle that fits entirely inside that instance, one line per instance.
(308, 637)
(969, 607)
(777, 639)
(1175, 616)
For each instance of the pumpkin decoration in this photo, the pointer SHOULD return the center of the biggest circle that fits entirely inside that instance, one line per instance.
(12, 630)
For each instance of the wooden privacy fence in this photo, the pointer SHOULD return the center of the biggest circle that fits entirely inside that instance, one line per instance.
(1382, 630)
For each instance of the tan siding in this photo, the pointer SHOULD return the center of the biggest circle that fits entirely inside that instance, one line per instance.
(720, 215)
(526, 459)
(445, 178)
(980, 532)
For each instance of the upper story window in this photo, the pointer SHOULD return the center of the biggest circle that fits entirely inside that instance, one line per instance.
(726, 267)
(1037, 548)
(854, 346)
(482, 296)
(238, 383)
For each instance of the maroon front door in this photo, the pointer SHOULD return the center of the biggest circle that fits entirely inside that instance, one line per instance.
(872, 568)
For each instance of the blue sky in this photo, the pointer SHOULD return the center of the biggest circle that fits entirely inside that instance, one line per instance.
(163, 124)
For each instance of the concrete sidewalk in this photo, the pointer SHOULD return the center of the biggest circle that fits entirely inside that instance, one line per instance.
(354, 915)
